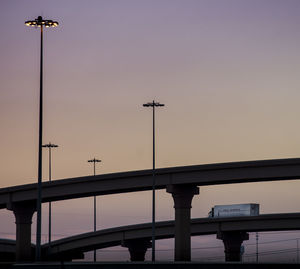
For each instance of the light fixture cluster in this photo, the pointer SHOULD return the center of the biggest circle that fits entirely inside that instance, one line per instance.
(94, 161)
(152, 104)
(39, 22)
(49, 145)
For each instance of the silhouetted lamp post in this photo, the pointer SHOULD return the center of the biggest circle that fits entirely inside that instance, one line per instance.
(50, 146)
(95, 228)
(41, 23)
(153, 104)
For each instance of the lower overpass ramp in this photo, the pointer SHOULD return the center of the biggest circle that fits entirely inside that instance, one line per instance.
(140, 234)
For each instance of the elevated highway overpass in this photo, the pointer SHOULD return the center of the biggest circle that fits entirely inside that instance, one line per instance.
(181, 182)
(137, 238)
(199, 175)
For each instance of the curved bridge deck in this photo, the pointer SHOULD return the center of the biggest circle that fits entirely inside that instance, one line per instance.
(200, 175)
(202, 226)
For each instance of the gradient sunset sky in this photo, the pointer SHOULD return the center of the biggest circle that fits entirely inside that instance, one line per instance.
(227, 71)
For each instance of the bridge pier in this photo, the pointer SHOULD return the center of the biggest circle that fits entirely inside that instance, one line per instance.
(137, 248)
(23, 214)
(183, 195)
(232, 244)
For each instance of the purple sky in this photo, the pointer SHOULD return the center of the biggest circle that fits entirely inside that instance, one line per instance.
(227, 70)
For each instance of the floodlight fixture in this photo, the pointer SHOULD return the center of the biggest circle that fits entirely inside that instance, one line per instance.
(39, 22)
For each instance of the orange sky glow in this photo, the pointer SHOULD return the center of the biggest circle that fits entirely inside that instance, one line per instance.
(227, 72)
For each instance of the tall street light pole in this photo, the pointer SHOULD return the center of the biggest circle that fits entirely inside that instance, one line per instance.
(94, 161)
(153, 104)
(49, 146)
(41, 23)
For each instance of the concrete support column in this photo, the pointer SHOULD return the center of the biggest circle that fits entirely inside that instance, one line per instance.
(137, 248)
(23, 213)
(232, 244)
(182, 195)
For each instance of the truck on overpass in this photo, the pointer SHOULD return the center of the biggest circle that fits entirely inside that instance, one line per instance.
(236, 210)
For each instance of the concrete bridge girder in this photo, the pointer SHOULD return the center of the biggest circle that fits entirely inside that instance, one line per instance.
(199, 175)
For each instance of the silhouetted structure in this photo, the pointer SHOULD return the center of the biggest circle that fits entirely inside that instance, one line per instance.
(153, 104)
(137, 238)
(39, 22)
(94, 161)
(182, 182)
(49, 146)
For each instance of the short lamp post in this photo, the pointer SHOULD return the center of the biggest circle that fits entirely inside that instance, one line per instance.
(40, 23)
(153, 104)
(50, 146)
(94, 161)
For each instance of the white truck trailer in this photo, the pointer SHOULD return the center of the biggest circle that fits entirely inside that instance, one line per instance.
(238, 210)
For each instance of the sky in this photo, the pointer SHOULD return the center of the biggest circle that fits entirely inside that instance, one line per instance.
(226, 70)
